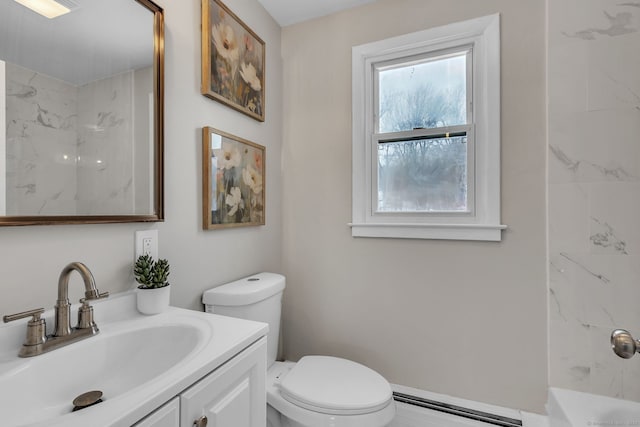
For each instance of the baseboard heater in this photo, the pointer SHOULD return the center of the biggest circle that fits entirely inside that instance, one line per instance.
(459, 411)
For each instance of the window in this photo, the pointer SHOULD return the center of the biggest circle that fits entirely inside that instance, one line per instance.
(426, 134)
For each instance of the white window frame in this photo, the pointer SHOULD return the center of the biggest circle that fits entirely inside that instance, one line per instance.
(482, 220)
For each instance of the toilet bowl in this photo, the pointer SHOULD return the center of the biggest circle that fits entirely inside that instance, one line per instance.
(361, 398)
(317, 391)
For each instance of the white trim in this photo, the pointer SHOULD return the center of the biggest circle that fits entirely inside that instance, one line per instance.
(483, 223)
(465, 403)
(422, 417)
(490, 233)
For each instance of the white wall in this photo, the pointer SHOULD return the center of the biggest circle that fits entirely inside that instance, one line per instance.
(32, 257)
(461, 318)
(594, 193)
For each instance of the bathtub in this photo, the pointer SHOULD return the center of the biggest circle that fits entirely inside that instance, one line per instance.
(567, 408)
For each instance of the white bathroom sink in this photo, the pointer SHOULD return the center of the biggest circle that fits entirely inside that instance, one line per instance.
(113, 362)
(138, 362)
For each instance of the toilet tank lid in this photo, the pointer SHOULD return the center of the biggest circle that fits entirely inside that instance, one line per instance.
(248, 290)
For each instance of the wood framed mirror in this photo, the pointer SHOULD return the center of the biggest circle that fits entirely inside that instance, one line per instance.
(82, 113)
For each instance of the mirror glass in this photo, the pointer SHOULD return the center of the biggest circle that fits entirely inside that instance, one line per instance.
(81, 110)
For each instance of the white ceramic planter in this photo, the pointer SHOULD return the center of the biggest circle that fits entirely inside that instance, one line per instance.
(153, 301)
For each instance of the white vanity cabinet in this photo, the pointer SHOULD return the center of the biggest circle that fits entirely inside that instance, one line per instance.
(233, 395)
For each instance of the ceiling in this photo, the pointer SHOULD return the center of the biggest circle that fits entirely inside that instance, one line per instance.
(65, 47)
(96, 40)
(288, 12)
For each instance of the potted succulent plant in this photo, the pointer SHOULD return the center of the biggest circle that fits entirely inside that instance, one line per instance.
(153, 288)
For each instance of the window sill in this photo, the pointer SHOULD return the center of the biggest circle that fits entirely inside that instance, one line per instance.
(482, 232)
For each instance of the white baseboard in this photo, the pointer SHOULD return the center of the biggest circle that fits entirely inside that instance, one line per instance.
(414, 416)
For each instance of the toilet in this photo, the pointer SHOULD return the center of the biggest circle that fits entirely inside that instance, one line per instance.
(316, 391)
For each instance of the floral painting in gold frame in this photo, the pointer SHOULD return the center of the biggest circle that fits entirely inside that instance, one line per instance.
(233, 61)
(233, 171)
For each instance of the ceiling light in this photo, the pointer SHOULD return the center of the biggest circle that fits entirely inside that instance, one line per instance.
(48, 8)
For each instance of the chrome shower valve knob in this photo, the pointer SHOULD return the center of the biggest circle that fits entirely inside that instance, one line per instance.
(623, 344)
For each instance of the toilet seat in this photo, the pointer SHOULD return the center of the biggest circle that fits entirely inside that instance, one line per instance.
(294, 415)
(335, 386)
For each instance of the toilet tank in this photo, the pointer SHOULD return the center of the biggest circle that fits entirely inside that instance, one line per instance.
(257, 297)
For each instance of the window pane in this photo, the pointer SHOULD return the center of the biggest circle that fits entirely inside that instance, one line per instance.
(427, 175)
(427, 94)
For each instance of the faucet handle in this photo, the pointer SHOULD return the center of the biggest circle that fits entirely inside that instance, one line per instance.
(85, 317)
(93, 295)
(35, 313)
(85, 312)
(36, 331)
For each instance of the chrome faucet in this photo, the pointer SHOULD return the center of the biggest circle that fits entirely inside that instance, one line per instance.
(37, 342)
(63, 307)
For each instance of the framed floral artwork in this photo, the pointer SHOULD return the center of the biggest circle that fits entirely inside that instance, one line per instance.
(233, 184)
(233, 61)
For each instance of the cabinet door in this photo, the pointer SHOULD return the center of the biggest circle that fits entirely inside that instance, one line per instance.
(165, 416)
(234, 395)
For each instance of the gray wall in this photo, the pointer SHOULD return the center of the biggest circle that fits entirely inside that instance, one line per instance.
(461, 318)
(32, 257)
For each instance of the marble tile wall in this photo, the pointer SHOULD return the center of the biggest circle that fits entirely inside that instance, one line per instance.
(105, 146)
(41, 143)
(69, 149)
(594, 192)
